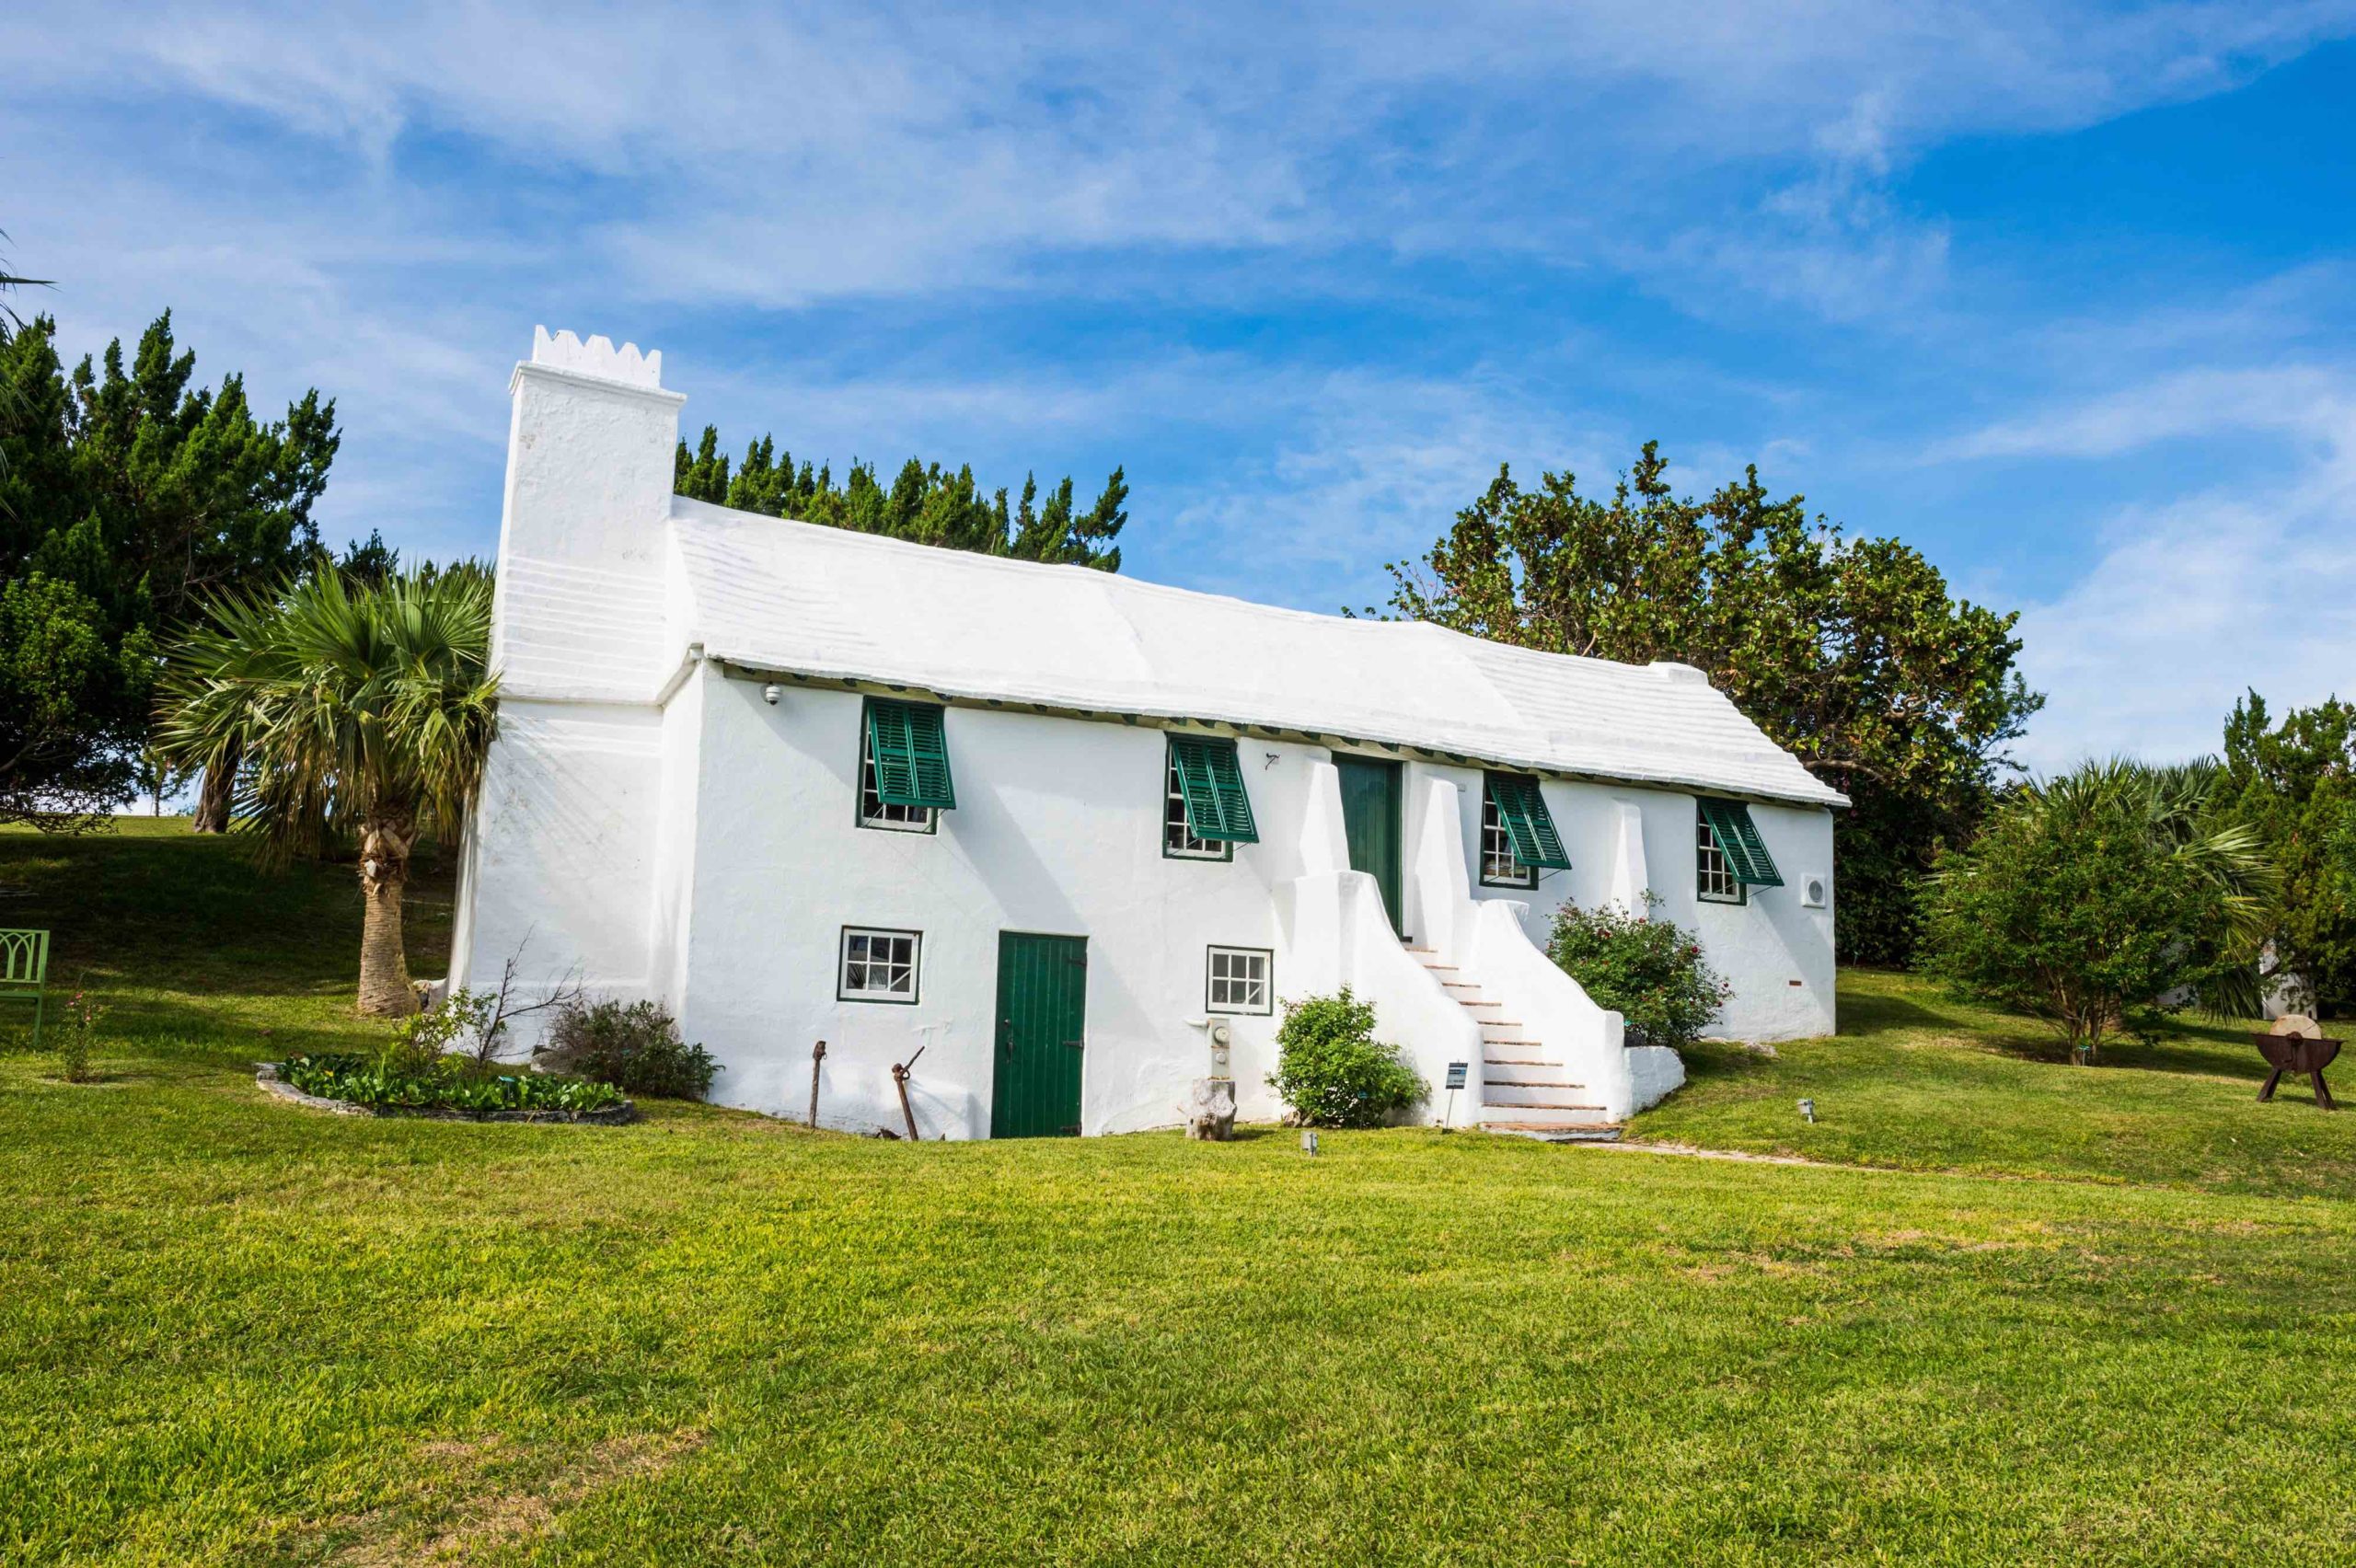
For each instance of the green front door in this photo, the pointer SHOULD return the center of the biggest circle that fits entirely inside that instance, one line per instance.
(1042, 1024)
(1370, 798)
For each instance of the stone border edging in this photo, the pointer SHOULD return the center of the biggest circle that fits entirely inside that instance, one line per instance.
(266, 1078)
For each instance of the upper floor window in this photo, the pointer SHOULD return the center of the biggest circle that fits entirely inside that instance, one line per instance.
(1206, 811)
(1518, 836)
(904, 777)
(1498, 868)
(1729, 857)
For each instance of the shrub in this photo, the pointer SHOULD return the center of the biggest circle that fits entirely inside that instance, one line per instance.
(1332, 1070)
(634, 1047)
(2095, 900)
(1650, 972)
(449, 1083)
(77, 1022)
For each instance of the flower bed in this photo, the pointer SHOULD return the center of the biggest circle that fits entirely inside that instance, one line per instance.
(364, 1085)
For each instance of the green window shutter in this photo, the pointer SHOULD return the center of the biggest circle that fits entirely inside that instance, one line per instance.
(911, 754)
(1739, 840)
(1217, 807)
(1521, 807)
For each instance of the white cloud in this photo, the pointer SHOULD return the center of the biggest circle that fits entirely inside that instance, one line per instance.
(2219, 591)
(742, 153)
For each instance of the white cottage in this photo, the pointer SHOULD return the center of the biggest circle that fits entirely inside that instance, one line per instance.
(1067, 833)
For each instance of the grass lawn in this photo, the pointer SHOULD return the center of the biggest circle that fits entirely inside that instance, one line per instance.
(240, 1332)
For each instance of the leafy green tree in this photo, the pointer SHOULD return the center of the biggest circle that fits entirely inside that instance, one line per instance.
(925, 502)
(1850, 651)
(126, 494)
(358, 708)
(2098, 900)
(2294, 784)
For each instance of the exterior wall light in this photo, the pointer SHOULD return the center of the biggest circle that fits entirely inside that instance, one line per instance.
(772, 692)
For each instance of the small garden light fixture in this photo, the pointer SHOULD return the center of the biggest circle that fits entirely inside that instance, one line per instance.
(1807, 1110)
(1309, 1142)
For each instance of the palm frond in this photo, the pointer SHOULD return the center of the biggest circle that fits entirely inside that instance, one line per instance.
(346, 702)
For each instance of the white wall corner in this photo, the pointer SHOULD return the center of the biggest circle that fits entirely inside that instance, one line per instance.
(1440, 896)
(1631, 879)
(1324, 848)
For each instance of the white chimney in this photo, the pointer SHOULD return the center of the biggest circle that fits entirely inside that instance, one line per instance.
(579, 611)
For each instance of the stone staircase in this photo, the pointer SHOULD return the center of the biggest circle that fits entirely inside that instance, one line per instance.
(1525, 1089)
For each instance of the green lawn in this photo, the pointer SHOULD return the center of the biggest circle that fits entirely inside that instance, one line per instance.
(239, 1332)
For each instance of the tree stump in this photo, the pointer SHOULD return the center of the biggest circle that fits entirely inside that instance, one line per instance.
(1210, 1110)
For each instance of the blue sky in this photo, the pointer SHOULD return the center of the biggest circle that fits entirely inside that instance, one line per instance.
(2060, 294)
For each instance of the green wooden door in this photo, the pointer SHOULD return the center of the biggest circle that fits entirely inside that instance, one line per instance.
(1370, 801)
(1042, 1026)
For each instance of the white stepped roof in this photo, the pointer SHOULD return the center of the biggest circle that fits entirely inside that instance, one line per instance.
(803, 599)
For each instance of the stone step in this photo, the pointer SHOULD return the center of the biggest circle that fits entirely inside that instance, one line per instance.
(1511, 1075)
(1535, 1097)
(1518, 1118)
(1555, 1132)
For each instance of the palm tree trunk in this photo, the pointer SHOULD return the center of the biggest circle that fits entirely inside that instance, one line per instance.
(384, 987)
(213, 799)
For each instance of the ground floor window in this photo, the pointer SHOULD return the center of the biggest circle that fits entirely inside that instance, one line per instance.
(1239, 981)
(878, 965)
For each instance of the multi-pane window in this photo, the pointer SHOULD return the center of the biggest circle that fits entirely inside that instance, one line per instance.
(874, 811)
(1178, 838)
(878, 966)
(1498, 867)
(1239, 981)
(1715, 880)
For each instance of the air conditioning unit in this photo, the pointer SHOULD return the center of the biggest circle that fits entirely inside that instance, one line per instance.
(1814, 892)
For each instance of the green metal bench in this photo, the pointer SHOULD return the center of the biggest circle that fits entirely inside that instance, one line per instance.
(24, 972)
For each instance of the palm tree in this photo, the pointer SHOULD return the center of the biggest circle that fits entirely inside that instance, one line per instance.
(356, 708)
(2181, 809)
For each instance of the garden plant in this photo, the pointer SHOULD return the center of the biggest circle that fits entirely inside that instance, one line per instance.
(1332, 1070)
(1649, 971)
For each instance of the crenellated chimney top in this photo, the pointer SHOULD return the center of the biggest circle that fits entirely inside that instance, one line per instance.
(598, 358)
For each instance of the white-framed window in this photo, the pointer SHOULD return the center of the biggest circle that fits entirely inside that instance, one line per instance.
(878, 965)
(1498, 868)
(876, 812)
(1715, 882)
(1178, 840)
(1239, 981)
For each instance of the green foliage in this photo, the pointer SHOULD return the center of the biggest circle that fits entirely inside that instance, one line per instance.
(1851, 652)
(76, 1022)
(925, 502)
(352, 704)
(395, 1080)
(72, 695)
(1332, 1070)
(2294, 785)
(125, 495)
(2094, 901)
(635, 1046)
(1651, 972)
